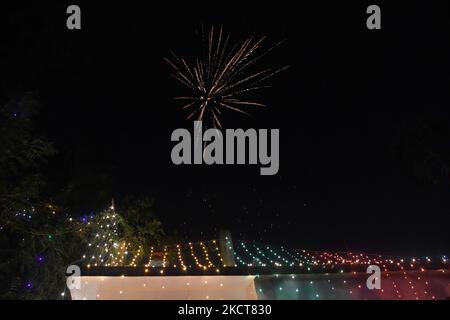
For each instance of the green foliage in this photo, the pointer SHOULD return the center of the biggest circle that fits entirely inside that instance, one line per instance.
(22, 153)
(20, 149)
(38, 240)
(122, 237)
(37, 251)
(32, 263)
(139, 224)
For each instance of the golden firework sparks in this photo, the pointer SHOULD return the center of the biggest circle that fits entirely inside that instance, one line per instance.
(222, 78)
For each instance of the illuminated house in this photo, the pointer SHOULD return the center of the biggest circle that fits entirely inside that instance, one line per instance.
(239, 270)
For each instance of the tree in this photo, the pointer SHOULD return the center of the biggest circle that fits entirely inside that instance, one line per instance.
(38, 238)
(140, 223)
(21, 155)
(36, 242)
(124, 236)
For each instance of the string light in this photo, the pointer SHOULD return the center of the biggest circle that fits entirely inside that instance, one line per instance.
(206, 255)
(180, 258)
(149, 263)
(106, 249)
(197, 262)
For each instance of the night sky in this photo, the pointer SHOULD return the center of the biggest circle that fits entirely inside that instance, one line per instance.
(363, 117)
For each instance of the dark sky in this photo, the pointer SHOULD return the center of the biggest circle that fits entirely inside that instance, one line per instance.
(360, 113)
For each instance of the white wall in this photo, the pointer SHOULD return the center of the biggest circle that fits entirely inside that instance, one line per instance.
(166, 288)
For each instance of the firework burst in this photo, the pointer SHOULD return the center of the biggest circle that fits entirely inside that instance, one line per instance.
(223, 77)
